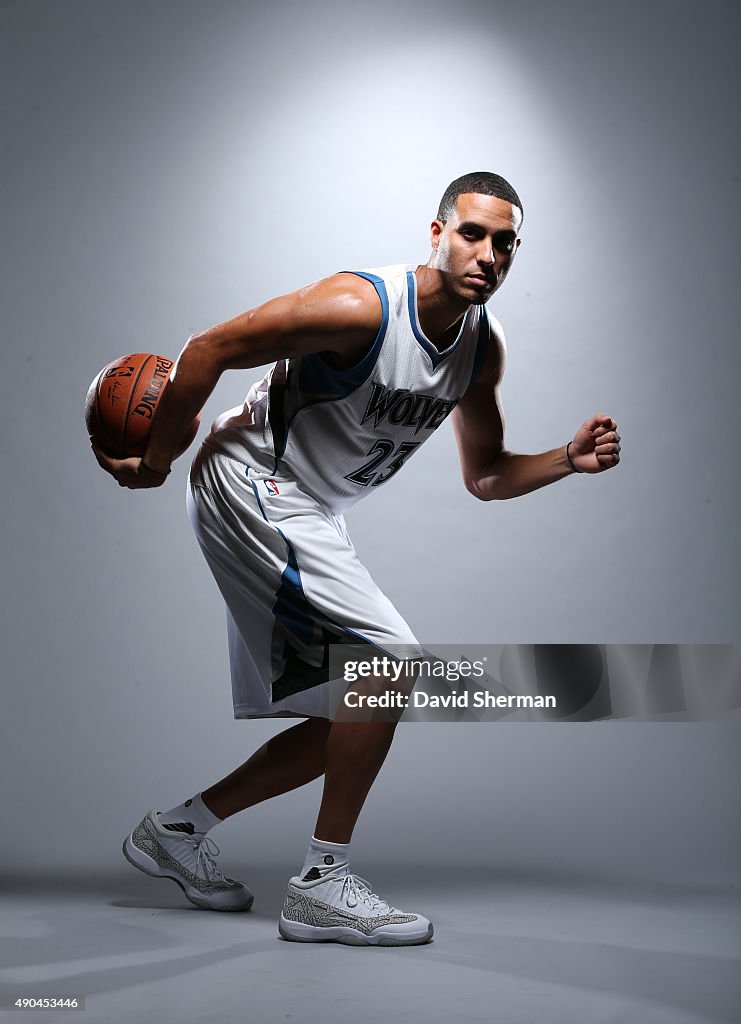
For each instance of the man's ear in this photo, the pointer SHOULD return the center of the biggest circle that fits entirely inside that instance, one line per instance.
(436, 229)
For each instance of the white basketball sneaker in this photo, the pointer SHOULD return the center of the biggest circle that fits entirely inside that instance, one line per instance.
(340, 907)
(188, 859)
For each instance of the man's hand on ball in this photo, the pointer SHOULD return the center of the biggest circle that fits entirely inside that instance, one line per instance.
(132, 473)
(596, 445)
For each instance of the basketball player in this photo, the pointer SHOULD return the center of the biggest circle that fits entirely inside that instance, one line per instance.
(366, 365)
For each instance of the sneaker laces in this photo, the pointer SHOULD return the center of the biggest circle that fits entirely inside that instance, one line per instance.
(205, 863)
(355, 889)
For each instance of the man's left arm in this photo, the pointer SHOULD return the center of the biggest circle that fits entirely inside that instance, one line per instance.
(492, 472)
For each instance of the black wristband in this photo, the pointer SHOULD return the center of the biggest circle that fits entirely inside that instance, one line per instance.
(571, 461)
(159, 472)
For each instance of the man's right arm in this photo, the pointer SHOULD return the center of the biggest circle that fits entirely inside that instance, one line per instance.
(340, 314)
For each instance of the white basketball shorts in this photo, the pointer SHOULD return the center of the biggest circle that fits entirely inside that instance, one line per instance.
(292, 582)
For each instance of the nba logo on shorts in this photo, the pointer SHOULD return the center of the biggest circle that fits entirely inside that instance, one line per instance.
(271, 487)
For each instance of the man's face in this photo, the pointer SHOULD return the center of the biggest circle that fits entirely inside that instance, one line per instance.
(475, 247)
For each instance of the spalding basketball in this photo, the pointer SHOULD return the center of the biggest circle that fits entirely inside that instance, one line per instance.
(122, 402)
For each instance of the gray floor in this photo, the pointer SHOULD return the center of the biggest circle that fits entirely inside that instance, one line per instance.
(508, 947)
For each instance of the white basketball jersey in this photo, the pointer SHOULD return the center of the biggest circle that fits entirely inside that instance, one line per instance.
(342, 433)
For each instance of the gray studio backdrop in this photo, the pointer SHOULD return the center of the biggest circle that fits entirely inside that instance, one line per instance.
(165, 166)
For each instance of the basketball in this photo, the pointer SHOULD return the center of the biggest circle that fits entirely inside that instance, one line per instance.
(122, 402)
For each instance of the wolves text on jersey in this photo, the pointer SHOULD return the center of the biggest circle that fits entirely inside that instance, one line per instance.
(402, 407)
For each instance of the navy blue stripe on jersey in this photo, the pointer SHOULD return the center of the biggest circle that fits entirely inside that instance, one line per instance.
(291, 608)
(482, 344)
(435, 356)
(317, 381)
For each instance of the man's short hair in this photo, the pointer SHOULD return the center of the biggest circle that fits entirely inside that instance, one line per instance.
(484, 183)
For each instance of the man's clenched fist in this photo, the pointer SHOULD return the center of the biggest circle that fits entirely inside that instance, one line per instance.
(596, 445)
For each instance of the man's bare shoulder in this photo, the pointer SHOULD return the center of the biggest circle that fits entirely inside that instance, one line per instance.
(496, 333)
(345, 301)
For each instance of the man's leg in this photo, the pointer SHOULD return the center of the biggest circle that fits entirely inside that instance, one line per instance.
(349, 754)
(355, 752)
(325, 902)
(358, 743)
(170, 844)
(291, 759)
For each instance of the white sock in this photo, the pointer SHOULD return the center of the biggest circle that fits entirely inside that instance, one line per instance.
(192, 816)
(324, 857)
